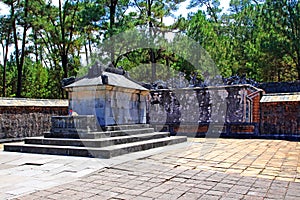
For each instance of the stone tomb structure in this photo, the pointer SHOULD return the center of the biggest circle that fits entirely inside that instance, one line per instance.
(117, 101)
(107, 119)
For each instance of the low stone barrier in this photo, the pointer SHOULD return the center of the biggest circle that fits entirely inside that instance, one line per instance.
(280, 87)
(28, 117)
(280, 116)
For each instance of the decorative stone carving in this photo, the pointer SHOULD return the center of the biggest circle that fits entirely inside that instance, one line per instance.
(200, 105)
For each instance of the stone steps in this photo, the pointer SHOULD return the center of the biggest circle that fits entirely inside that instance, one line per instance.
(115, 141)
(117, 133)
(102, 142)
(127, 127)
(102, 152)
(99, 134)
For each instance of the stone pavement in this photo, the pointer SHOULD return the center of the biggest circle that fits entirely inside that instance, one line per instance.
(24, 173)
(202, 169)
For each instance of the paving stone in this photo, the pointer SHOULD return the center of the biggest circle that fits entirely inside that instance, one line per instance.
(42, 193)
(256, 193)
(275, 195)
(295, 192)
(189, 195)
(151, 194)
(239, 189)
(222, 187)
(227, 198)
(108, 194)
(215, 193)
(96, 197)
(168, 196)
(142, 198)
(233, 195)
(198, 190)
(176, 192)
(160, 189)
(134, 192)
(252, 197)
(291, 197)
(209, 197)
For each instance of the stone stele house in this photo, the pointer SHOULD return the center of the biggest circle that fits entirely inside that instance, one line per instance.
(109, 95)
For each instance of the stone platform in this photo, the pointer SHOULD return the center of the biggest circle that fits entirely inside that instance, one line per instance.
(115, 141)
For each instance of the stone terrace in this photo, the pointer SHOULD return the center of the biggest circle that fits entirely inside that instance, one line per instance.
(204, 169)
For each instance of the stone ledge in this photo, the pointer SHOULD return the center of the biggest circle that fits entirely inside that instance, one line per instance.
(11, 102)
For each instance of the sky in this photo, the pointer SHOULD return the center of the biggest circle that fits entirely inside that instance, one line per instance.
(184, 11)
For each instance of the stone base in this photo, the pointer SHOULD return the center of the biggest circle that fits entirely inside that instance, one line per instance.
(115, 141)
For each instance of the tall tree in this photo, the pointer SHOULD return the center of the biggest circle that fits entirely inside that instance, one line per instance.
(152, 13)
(283, 22)
(5, 37)
(58, 28)
(19, 13)
(91, 22)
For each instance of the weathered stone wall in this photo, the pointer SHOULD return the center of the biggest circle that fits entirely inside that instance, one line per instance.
(280, 119)
(19, 121)
(281, 87)
(193, 109)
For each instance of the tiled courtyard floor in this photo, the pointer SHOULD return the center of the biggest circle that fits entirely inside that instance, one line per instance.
(205, 169)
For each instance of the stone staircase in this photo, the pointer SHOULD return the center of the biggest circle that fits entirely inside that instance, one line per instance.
(114, 141)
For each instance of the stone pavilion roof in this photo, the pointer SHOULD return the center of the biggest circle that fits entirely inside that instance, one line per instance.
(114, 79)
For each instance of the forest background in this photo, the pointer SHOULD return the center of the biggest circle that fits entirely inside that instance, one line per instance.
(42, 43)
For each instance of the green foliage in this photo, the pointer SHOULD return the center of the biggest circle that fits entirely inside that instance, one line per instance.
(256, 38)
(47, 43)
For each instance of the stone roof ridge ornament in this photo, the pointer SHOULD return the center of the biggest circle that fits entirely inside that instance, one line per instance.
(96, 70)
(114, 70)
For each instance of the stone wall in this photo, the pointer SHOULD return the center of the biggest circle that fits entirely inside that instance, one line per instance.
(195, 109)
(281, 87)
(24, 119)
(280, 119)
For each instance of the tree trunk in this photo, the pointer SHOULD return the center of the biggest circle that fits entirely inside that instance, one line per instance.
(298, 68)
(112, 10)
(15, 35)
(36, 53)
(90, 46)
(19, 57)
(86, 54)
(151, 51)
(5, 52)
(64, 62)
(20, 69)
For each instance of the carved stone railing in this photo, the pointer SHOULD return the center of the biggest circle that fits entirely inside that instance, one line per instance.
(73, 124)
